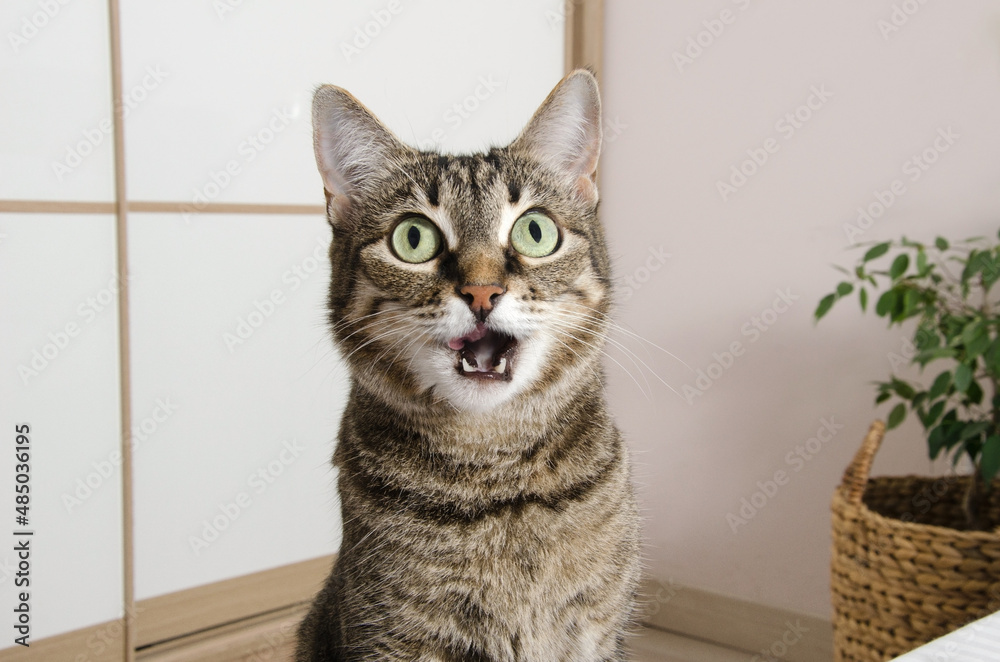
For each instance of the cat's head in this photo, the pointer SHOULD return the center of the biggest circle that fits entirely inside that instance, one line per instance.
(470, 280)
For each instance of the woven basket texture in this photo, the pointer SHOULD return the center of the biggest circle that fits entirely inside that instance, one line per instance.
(904, 572)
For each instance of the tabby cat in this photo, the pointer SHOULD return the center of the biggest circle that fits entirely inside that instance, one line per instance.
(487, 507)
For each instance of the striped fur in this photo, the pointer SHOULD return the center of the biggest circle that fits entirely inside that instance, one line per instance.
(483, 520)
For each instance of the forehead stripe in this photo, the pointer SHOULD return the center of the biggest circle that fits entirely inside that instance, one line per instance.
(432, 193)
(515, 192)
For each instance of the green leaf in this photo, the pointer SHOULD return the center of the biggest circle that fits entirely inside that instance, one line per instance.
(936, 441)
(940, 385)
(973, 429)
(989, 461)
(926, 337)
(882, 397)
(843, 289)
(903, 389)
(925, 357)
(979, 345)
(934, 413)
(886, 303)
(863, 295)
(972, 330)
(991, 273)
(941, 243)
(899, 266)
(896, 416)
(995, 356)
(974, 395)
(824, 306)
(963, 377)
(972, 267)
(910, 301)
(876, 251)
(922, 263)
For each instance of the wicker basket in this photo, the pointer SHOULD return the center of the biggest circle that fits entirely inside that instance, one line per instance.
(903, 572)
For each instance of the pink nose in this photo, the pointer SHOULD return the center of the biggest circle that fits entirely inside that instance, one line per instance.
(481, 298)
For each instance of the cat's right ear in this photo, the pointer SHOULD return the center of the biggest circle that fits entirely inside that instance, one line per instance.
(352, 146)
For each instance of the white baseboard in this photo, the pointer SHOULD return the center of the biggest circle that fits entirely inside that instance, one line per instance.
(767, 632)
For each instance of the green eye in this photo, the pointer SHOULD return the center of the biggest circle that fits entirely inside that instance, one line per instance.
(534, 235)
(416, 240)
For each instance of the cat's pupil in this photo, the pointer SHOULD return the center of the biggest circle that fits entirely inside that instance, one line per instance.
(413, 236)
(535, 230)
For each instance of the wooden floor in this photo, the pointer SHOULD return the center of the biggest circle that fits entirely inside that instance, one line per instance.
(657, 646)
(649, 646)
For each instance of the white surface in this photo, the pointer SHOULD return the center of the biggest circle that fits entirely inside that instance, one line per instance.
(251, 72)
(671, 136)
(237, 395)
(54, 272)
(55, 104)
(976, 642)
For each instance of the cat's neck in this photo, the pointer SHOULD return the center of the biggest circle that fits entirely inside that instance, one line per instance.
(526, 420)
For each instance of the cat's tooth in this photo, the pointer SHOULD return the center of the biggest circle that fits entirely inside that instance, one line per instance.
(500, 367)
(466, 366)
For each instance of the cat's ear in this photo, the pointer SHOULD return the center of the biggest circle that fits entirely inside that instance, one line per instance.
(352, 146)
(565, 132)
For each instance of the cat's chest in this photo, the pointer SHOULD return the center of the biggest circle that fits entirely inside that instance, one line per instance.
(532, 600)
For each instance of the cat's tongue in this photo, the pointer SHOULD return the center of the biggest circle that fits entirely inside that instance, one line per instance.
(477, 334)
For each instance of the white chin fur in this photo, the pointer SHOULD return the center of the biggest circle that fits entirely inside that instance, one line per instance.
(435, 365)
(435, 368)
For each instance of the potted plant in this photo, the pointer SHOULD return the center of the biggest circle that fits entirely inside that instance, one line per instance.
(908, 568)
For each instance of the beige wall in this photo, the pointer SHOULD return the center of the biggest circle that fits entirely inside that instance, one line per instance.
(713, 263)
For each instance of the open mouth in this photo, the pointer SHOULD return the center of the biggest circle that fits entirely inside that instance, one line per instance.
(485, 354)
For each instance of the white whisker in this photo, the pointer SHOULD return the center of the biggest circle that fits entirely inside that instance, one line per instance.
(629, 353)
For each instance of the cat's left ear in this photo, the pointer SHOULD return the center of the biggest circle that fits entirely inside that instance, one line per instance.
(352, 147)
(565, 132)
